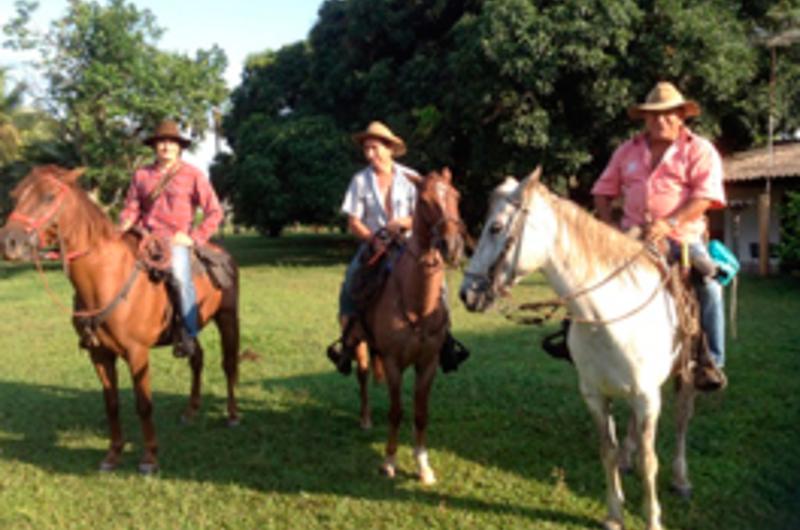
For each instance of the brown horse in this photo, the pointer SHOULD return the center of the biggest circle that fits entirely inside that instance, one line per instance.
(131, 312)
(408, 321)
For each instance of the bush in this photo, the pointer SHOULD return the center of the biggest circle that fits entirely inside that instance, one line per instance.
(789, 247)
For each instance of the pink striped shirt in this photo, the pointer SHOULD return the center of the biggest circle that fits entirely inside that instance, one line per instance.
(173, 210)
(691, 168)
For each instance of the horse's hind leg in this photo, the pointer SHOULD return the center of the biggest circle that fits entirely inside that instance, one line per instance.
(105, 364)
(604, 422)
(629, 446)
(680, 468)
(422, 389)
(196, 364)
(227, 320)
(362, 370)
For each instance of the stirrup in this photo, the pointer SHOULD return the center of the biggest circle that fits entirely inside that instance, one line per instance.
(452, 354)
(555, 344)
(707, 377)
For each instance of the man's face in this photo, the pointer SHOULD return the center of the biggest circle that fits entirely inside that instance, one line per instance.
(167, 151)
(663, 126)
(377, 153)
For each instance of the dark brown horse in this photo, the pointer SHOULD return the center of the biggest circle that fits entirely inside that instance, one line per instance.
(408, 322)
(131, 312)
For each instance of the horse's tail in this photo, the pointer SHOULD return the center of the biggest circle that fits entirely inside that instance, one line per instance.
(378, 371)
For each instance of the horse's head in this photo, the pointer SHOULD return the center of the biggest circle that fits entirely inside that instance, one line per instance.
(39, 202)
(504, 252)
(437, 214)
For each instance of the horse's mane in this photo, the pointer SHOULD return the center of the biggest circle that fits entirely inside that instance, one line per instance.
(608, 247)
(87, 219)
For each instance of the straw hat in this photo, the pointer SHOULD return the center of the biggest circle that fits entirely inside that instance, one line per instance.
(380, 131)
(664, 96)
(168, 130)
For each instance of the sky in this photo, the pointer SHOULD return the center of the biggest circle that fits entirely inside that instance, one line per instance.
(239, 27)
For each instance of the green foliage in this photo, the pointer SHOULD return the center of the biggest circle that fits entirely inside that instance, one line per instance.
(109, 84)
(286, 170)
(495, 87)
(789, 247)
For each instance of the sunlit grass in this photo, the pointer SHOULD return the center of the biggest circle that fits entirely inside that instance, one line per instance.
(510, 439)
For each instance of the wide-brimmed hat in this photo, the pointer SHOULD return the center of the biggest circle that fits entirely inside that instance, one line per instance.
(168, 130)
(380, 131)
(664, 96)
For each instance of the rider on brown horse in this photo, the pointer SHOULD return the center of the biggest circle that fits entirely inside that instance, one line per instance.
(162, 199)
(380, 199)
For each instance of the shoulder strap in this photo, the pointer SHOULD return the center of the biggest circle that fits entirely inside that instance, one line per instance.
(159, 188)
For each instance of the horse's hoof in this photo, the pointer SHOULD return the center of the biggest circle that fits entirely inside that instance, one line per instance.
(427, 477)
(366, 424)
(187, 419)
(610, 524)
(107, 466)
(148, 468)
(684, 492)
(388, 470)
(234, 422)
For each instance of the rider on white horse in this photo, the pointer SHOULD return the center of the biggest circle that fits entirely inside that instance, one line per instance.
(668, 177)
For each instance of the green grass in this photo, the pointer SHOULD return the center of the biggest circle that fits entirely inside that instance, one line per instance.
(510, 438)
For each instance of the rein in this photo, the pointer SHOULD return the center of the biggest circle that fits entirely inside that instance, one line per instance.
(520, 220)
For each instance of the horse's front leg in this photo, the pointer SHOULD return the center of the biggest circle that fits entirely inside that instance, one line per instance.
(394, 379)
(227, 321)
(422, 389)
(680, 468)
(647, 409)
(604, 422)
(140, 374)
(105, 365)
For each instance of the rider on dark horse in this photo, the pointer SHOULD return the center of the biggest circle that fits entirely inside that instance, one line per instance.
(380, 199)
(162, 199)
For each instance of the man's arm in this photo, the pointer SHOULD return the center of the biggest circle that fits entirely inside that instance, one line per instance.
(358, 228)
(690, 211)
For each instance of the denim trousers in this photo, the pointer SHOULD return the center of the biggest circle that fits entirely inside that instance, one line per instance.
(182, 272)
(712, 305)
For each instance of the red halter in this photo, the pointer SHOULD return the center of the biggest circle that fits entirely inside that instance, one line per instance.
(38, 225)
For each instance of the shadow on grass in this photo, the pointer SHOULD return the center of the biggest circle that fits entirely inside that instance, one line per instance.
(307, 250)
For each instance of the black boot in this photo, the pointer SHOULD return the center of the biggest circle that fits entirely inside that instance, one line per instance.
(555, 344)
(185, 345)
(452, 354)
(341, 356)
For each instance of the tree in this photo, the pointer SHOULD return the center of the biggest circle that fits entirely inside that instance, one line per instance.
(495, 87)
(108, 83)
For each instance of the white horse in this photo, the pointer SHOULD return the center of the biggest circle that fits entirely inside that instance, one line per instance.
(624, 338)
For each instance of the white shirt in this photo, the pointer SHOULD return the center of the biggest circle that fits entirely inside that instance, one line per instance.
(363, 199)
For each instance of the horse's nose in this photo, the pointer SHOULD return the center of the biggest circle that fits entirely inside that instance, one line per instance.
(12, 244)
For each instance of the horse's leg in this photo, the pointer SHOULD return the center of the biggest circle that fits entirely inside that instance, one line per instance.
(227, 320)
(604, 422)
(680, 468)
(647, 409)
(105, 364)
(362, 370)
(422, 389)
(196, 364)
(140, 374)
(628, 450)
(394, 379)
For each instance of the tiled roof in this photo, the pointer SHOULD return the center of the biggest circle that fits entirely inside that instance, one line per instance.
(755, 164)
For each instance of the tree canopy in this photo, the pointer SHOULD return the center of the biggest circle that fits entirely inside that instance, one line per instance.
(495, 87)
(108, 84)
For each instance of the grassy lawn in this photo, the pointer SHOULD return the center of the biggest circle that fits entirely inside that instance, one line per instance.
(510, 438)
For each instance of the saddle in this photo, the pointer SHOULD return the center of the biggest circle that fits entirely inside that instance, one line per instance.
(376, 264)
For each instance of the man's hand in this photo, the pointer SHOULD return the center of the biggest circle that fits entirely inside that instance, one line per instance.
(659, 229)
(181, 238)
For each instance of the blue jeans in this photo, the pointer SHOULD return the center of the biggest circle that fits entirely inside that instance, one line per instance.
(712, 306)
(347, 306)
(182, 272)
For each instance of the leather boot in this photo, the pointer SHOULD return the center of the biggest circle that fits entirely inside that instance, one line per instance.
(452, 353)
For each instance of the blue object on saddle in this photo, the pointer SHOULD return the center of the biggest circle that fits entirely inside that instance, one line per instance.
(727, 263)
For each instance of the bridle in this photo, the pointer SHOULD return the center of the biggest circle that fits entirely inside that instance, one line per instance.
(516, 224)
(39, 225)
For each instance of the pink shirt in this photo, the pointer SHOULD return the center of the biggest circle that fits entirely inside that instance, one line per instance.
(173, 210)
(691, 168)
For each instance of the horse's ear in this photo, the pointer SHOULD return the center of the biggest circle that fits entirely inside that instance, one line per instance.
(446, 174)
(531, 183)
(415, 178)
(72, 176)
(536, 174)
